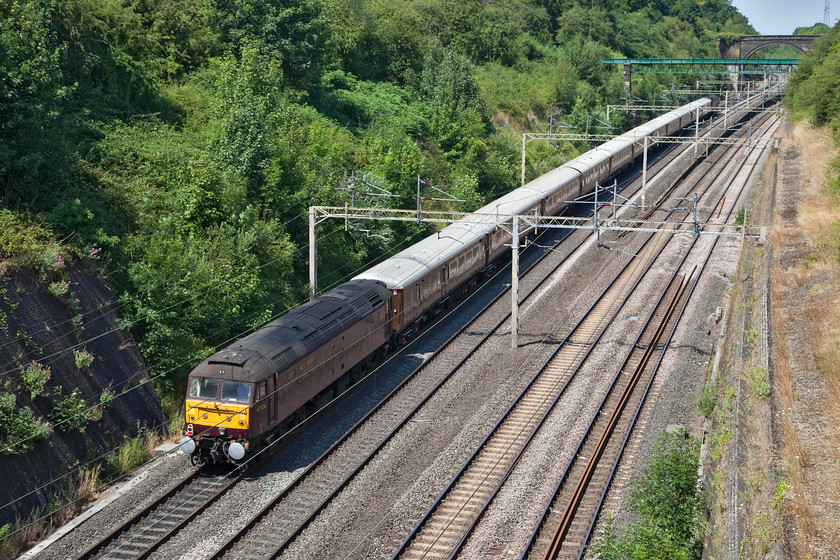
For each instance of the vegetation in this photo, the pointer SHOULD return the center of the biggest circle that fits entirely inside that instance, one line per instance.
(70, 412)
(668, 503)
(814, 91)
(35, 377)
(23, 429)
(813, 88)
(176, 146)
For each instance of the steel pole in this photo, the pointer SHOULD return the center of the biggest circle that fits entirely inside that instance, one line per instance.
(644, 172)
(514, 286)
(313, 256)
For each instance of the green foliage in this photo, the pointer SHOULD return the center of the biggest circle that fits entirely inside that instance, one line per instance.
(708, 400)
(23, 429)
(184, 140)
(35, 377)
(130, 455)
(70, 412)
(668, 502)
(816, 29)
(293, 33)
(31, 92)
(758, 382)
(780, 493)
(813, 87)
(82, 358)
(106, 399)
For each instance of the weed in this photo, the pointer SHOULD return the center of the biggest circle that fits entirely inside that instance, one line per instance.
(106, 399)
(757, 381)
(58, 288)
(779, 494)
(83, 358)
(23, 428)
(707, 401)
(719, 441)
(35, 377)
(70, 413)
(130, 455)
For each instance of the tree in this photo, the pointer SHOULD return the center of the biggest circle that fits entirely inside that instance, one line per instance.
(32, 89)
(293, 32)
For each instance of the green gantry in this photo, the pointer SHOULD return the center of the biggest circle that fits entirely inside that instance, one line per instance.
(707, 65)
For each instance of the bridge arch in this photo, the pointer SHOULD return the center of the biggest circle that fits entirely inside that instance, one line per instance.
(748, 46)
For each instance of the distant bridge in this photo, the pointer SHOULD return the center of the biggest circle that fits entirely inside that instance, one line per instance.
(747, 46)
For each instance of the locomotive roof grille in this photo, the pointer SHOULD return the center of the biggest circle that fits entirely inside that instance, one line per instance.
(285, 358)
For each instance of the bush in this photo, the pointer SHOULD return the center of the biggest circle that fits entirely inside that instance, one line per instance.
(668, 501)
(23, 429)
(58, 288)
(71, 412)
(83, 358)
(35, 377)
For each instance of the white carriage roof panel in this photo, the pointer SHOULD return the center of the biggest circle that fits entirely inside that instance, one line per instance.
(589, 160)
(554, 179)
(516, 201)
(615, 145)
(409, 265)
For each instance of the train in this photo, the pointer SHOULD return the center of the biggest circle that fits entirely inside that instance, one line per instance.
(241, 398)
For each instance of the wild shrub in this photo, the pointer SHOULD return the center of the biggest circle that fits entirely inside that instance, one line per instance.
(23, 428)
(668, 501)
(70, 412)
(35, 377)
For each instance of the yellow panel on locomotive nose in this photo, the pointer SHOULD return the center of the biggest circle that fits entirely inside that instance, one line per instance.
(208, 414)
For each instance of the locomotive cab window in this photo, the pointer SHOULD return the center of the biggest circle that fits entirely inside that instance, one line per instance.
(236, 392)
(202, 388)
(261, 391)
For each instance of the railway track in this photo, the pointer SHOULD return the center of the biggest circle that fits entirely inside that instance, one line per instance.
(271, 530)
(151, 528)
(292, 511)
(446, 526)
(568, 520)
(147, 530)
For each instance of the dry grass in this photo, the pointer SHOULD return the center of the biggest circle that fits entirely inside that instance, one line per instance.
(62, 508)
(804, 298)
(793, 451)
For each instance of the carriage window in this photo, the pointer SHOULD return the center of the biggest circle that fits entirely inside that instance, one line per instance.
(261, 391)
(443, 275)
(201, 388)
(235, 392)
